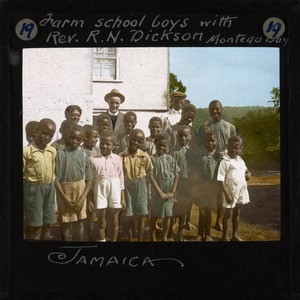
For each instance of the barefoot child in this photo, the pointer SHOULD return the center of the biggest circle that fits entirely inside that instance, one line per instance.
(224, 130)
(182, 207)
(136, 165)
(73, 182)
(164, 179)
(233, 173)
(187, 116)
(207, 186)
(109, 196)
(155, 127)
(38, 174)
(91, 138)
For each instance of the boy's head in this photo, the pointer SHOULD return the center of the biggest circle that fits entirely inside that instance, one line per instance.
(91, 136)
(234, 147)
(215, 109)
(155, 126)
(177, 100)
(210, 140)
(107, 143)
(129, 121)
(65, 127)
(188, 114)
(31, 129)
(45, 133)
(136, 140)
(184, 135)
(75, 137)
(103, 123)
(162, 143)
(73, 112)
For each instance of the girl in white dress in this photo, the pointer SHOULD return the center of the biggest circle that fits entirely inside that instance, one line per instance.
(233, 174)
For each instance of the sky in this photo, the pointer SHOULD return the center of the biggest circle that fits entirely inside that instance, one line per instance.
(236, 76)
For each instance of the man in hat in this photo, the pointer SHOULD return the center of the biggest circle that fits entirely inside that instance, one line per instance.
(173, 116)
(114, 99)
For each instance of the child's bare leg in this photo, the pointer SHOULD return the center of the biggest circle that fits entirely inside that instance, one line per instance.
(220, 212)
(181, 222)
(45, 235)
(171, 232)
(153, 221)
(66, 231)
(35, 232)
(201, 224)
(102, 224)
(130, 227)
(141, 227)
(78, 230)
(188, 223)
(208, 218)
(227, 217)
(235, 223)
(113, 221)
(166, 228)
(90, 226)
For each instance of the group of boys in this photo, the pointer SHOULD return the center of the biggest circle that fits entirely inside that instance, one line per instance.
(64, 169)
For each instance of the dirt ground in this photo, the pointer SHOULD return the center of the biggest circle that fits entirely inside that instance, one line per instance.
(260, 219)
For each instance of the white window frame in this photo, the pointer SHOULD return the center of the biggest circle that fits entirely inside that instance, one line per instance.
(96, 57)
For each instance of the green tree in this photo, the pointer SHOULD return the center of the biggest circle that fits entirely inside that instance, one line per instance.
(176, 85)
(260, 130)
(275, 97)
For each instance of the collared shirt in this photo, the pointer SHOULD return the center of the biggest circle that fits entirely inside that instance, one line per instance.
(172, 131)
(137, 165)
(179, 153)
(109, 168)
(232, 169)
(165, 167)
(209, 163)
(39, 165)
(223, 129)
(72, 166)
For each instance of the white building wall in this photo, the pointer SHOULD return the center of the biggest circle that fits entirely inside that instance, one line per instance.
(143, 80)
(54, 78)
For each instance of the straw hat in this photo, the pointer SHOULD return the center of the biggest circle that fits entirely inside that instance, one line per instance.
(113, 93)
(177, 94)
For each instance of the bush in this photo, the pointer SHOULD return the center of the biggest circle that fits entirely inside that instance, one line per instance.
(260, 130)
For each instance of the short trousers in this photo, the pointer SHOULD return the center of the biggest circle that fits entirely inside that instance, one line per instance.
(107, 193)
(73, 190)
(136, 196)
(161, 208)
(39, 203)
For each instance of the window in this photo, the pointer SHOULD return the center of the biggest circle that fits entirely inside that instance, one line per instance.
(105, 64)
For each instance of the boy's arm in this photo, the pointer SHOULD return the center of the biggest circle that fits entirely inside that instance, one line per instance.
(247, 175)
(221, 179)
(123, 202)
(68, 202)
(81, 199)
(174, 187)
(227, 195)
(162, 195)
